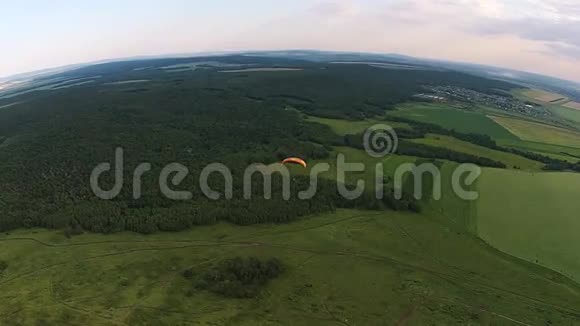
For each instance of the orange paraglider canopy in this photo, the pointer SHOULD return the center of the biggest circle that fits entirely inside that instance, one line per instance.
(294, 160)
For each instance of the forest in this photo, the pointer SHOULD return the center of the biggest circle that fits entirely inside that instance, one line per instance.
(52, 140)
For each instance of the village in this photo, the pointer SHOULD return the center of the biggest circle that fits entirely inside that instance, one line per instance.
(506, 103)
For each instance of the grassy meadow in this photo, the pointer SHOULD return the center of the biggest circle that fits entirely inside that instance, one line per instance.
(345, 127)
(390, 164)
(349, 268)
(450, 210)
(569, 114)
(540, 198)
(537, 219)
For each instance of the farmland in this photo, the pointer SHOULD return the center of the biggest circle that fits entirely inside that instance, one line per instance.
(558, 104)
(572, 105)
(450, 118)
(566, 113)
(541, 206)
(541, 133)
(542, 97)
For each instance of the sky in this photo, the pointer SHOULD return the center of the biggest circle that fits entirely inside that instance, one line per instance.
(541, 36)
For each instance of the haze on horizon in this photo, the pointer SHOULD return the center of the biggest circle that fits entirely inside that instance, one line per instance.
(531, 35)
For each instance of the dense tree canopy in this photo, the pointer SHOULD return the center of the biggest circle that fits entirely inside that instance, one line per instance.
(238, 277)
(52, 140)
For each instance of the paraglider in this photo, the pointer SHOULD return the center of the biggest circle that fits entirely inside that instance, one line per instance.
(294, 160)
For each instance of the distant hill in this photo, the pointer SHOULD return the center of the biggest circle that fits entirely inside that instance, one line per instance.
(526, 79)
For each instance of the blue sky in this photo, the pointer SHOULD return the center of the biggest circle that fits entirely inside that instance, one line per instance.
(533, 35)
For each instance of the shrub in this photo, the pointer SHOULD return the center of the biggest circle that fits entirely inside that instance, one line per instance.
(239, 277)
(3, 266)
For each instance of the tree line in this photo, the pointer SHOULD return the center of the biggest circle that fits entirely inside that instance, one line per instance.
(421, 129)
(426, 151)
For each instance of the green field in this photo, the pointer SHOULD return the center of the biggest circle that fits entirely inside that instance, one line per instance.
(346, 127)
(450, 210)
(544, 149)
(538, 132)
(571, 115)
(537, 219)
(390, 164)
(450, 118)
(510, 160)
(562, 157)
(350, 268)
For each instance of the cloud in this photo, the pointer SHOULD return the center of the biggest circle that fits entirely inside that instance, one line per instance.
(562, 50)
(555, 23)
(533, 29)
(335, 8)
(527, 35)
(568, 9)
(537, 35)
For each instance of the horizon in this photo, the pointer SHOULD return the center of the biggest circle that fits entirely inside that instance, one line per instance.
(522, 35)
(76, 65)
